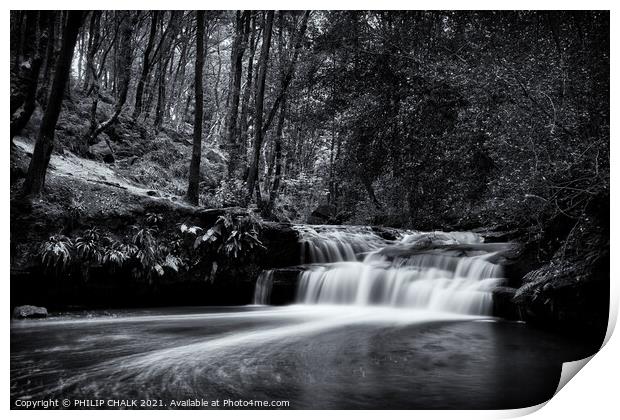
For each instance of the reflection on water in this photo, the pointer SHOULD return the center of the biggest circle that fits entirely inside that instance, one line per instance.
(315, 356)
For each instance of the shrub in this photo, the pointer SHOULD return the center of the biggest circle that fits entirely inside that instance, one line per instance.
(148, 253)
(56, 253)
(143, 255)
(230, 239)
(230, 193)
(116, 255)
(154, 219)
(88, 246)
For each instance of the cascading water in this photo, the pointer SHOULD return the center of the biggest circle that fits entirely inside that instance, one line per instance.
(264, 283)
(447, 272)
(325, 244)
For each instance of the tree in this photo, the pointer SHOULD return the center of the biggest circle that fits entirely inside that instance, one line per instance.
(194, 168)
(285, 79)
(124, 62)
(165, 59)
(258, 104)
(247, 91)
(94, 37)
(242, 28)
(35, 178)
(146, 64)
(287, 75)
(50, 57)
(28, 92)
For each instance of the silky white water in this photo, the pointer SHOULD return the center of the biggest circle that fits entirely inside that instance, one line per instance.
(436, 271)
(327, 356)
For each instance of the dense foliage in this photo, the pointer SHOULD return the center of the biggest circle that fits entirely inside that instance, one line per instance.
(150, 251)
(413, 118)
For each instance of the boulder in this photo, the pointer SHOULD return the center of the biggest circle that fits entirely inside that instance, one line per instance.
(322, 215)
(391, 234)
(29, 311)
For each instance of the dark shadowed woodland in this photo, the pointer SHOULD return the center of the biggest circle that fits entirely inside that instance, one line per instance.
(161, 158)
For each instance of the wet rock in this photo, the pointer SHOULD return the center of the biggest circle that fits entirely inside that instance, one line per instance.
(391, 234)
(504, 305)
(29, 311)
(282, 243)
(284, 285)
(424, 246)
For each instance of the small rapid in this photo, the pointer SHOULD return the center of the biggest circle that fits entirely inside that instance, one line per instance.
(453, 272)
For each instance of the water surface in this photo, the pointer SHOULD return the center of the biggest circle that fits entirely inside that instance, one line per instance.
(314, 356)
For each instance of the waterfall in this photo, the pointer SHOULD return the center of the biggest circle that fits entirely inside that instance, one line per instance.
(321, 244)
(439, 271)
(264, 284)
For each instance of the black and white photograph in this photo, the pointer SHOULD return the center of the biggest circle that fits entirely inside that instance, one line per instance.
(305, 209)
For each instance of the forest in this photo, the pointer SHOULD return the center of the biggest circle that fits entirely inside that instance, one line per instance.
(126, 124)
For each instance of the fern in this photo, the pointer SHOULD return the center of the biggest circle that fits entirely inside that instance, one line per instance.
(115, 256)
(173, 262)
(154, 219)
(56, 252)
(194, 230)
(89, 246)
(143, 238)
(229, 237)
(87, 250)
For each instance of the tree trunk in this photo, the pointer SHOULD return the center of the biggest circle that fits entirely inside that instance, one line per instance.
(161, 97)
(242, 28)
(93, 46)
(290, 71)
(22, 115)
(371, 192)
(258, 111)
(167, 114)
(245, 102)
(24, 55)
(277, 158)
(80, 61)
(112, 44)
(50, 57)
(124, 62)
(179, 79)
(273, 194)
(35, 179)
(194, 168)
(146, 65)
(164, 61)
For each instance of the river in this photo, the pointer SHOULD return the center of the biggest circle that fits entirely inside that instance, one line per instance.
(403, 323)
